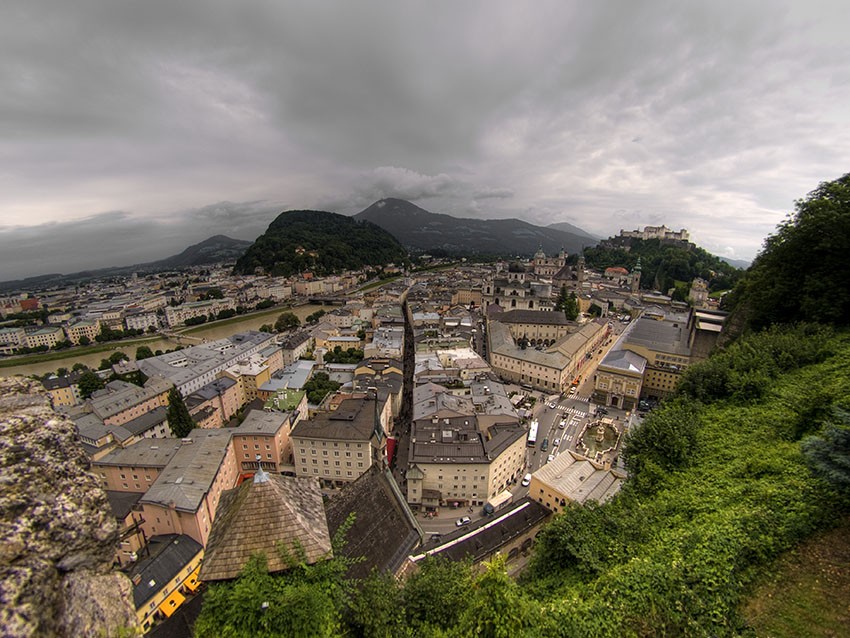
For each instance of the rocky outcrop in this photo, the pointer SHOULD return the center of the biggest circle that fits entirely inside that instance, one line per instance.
(57, 533)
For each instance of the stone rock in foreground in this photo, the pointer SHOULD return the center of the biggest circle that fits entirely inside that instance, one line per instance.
(57, 534)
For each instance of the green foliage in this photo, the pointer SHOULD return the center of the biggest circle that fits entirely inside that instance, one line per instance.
(497, 608)
(286, 321)
(567, 303)
(828, 454)
(436, 596)
(338, 355)
(314, 317)
(89, 383)
(260, 605)
(84, 340)
(265, 303)
(196, 321)
(745, 370)
(709, 508)
(318, 387)
(179, 419)
(800, 274)
(212, 293)
(143, 352)
(667, 439)
(319, 242)
(377, 608)
(663, 263)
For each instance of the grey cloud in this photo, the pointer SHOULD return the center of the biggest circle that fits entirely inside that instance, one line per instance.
(712, 116)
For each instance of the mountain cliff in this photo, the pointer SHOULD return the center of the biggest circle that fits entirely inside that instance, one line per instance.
(320, 242)
(420, 230)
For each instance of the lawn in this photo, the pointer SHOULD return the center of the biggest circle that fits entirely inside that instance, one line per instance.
(808, 592)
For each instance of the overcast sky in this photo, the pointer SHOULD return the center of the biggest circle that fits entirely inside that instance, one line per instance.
(129, 130)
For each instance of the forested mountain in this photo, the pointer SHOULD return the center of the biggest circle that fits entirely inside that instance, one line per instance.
(421, 230)
(320, 242)
(663, 264)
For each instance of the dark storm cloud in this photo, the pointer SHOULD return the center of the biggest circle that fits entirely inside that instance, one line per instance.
(711, 116)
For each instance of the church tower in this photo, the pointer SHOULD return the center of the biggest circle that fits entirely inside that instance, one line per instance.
(636, 278)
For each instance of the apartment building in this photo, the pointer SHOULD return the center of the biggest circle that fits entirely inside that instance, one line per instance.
(337, 447)
(163, 580)
(47, 336)
(213, 405)
(177, 315)
(192, 368)
(570, 477)
(136, 467)
(265, 434)
(184, 497)
(120, 401)
(87, 329)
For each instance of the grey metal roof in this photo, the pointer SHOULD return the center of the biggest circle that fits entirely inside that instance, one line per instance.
(143, 423)
(578, 479)
(353, 420)
(661, 335)
(144, 453)
(262, 422)
(189, 475)
(624, 360)
(169, 556)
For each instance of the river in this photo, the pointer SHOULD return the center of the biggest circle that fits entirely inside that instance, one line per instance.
(210, 333)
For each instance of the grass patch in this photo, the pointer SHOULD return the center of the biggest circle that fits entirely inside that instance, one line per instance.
(808, 591)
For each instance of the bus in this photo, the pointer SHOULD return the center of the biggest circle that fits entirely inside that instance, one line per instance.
(532, 434)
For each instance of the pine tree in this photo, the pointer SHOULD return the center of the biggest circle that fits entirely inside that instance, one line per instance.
(179, 419)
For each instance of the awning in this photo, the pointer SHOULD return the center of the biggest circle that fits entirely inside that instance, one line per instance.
(170, 604)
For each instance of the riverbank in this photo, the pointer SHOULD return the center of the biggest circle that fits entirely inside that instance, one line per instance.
(92, 355)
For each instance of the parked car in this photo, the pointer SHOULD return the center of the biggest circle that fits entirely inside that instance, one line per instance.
(550, 458)
(562, 424)
(526, 480)
(556, 442)
(463, 521)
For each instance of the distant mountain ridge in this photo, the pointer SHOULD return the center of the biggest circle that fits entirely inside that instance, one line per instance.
(322, 243)
(420, 230)
(217, 248)
(575, 230)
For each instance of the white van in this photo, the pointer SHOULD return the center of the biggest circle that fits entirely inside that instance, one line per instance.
(526, 480)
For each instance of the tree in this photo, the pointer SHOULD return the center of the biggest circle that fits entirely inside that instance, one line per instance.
(143, 352)
(84, 340)
(437, 594)
(571, 307)
(497, 608)
(828, 454)
(79, 366)
(179, 419)
(286, 321)
(313, 318)
(89, 383)
(800, 273)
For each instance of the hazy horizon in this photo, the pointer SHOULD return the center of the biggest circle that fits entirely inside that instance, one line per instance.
(133, 131)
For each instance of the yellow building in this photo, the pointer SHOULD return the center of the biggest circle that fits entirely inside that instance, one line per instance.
(570, 477)
(88, 329)
(165, 576)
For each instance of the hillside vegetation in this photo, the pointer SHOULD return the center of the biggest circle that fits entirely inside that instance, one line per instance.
(749, 459)
(663, 264)
(320, 242)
